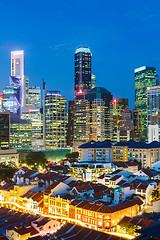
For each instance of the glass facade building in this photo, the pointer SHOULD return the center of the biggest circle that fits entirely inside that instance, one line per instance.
(144, 77)
(82, 70)
(34, 97)
(101, 94)
(11, 99)
(4, 131)
(55, 120)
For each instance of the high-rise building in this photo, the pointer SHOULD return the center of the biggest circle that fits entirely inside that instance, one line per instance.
(20, 132)
(4, 131)
(82, 72)
(17, 63)
(129, 126)
(116, 108)
(18, 79)
(98, 120)
(153, 113)
(70, 124)
(93, 81)
(101, 98)
(34, 97)
(34, 115)
(11, 99)
(55, 120)
(81, 123)
(144, 77)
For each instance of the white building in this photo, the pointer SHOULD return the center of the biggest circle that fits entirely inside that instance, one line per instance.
(96, 151)
(153, 133)
(9, 156)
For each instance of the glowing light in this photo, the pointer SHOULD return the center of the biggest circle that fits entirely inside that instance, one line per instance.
(30, 110)
(114, 101)
(80, 91)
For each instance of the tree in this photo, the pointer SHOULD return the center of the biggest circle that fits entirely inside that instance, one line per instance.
(72, 155)
(7, 170)
(155, 194)
(129, 228)
(35, 160)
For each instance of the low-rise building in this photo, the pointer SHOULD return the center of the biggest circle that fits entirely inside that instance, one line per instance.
(96, 151)
(9, 157)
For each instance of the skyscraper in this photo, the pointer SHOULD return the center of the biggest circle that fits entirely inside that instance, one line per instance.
(18, 79)
(81, 123)
(17, 63)
(82, 71)
(34, 97)
(144, 77)
(116, 108)
(153, 113)
(55, 120)
(93, 81)
(100, 98)
(4, 131)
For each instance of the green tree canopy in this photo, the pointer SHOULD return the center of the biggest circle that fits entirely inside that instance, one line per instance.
(35, 160)
(72, 155)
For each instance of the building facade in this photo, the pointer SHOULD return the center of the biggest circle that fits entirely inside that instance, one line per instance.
(82, 71)
(55, 120)
(144, 77)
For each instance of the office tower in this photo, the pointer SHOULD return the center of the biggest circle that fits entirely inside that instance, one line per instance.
(144, 77)
(18, 79)
(55, 120)
(34, 115)
(34, 97)
(153, 113)
(17, 63)
(11, 99)
(81, 123)
(98, 120)
(70, 124)
(95, 94)
(93, 81)
(129, 126)
(82, 72)
(117, 107)
(1, 102)
(4, 131)
(20, 132)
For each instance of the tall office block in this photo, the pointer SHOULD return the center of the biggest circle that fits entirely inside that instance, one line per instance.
(81, 124)
(11, 99)
(116, 108)
(153, 113)
(55, 120)
(17, 63)
(34, 115)
(100, 93)
(70, 124)
(82, 72)
(34, 97)
(4, 131)
(98, 120)
(20, 132)
(129, 126)
(18, 79)
(93, 81)
(144, 77)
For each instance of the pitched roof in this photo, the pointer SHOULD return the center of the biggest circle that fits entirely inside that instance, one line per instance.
(114, 178)
(71, 231)
(35, 196)
(93, 144)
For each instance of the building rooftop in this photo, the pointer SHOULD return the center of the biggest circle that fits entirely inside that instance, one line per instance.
(93, 144)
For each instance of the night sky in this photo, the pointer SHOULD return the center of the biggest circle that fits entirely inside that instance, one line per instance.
(122, 35)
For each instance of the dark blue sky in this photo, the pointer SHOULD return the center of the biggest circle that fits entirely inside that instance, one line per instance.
(122, 35)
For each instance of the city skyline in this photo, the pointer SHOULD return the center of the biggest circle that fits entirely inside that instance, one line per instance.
(49, 50)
